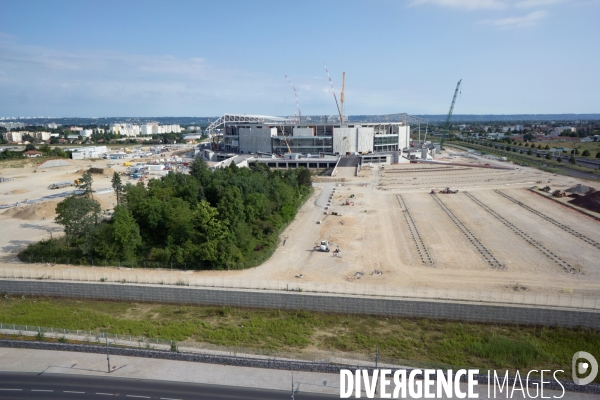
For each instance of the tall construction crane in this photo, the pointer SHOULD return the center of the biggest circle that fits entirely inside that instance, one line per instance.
(342, 96)
(447, 126)
(334, 96)
(297, 113)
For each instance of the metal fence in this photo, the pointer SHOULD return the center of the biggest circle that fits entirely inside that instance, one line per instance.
(142, 342)
(355, 287)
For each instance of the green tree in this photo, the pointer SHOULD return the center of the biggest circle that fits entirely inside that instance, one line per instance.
(529, 152)
(572, 160)
(30, 147)
(125, 233)
(548, 156)
(79, 215)
(117, 186)
(586, 153)
(85, 184)
(598, 154)
(547, 147)
(559, 159)
(304, 177)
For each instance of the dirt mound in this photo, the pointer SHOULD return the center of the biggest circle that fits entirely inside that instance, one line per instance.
(36, 211)
(18, 191)
(580, 189)
(590, 202)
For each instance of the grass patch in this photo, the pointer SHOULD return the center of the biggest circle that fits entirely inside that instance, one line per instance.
(420, 341)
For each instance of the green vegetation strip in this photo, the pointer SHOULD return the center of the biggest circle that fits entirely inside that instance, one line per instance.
(421, 341)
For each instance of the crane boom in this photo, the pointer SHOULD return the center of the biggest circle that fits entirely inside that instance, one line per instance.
(299, 113)
(334, 96)
(447, 125)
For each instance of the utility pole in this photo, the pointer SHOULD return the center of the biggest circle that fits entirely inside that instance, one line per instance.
(376, 356)
(292, 385)
(107, 354)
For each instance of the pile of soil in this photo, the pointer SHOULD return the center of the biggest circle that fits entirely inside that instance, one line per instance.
(18, 191)
(590, 202)
(45, 210)
(581, 189)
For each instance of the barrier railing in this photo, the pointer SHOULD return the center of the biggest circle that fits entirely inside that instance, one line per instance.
(176, 278)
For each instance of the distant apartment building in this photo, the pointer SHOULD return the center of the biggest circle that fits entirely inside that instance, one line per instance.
(86, 133)
(53, 125)
(12, 137)
(155, 129)
(560, 129)
(75, 128)
(125, 129)
(12, 125)
(41, 135)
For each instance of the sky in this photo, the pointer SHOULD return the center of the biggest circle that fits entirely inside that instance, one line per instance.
(206, 58)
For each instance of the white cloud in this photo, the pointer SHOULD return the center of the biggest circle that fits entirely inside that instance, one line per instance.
(517, 22)
(536, 3)
(464, 4)
(122, 83)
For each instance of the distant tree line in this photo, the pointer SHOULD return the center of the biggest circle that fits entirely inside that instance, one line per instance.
(226, 219)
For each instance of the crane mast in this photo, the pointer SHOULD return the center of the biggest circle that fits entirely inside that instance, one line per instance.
(342, 96)
(334, 96)
(447, 125)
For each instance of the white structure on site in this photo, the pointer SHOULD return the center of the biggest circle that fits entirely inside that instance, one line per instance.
(88, 152)
(86, 133)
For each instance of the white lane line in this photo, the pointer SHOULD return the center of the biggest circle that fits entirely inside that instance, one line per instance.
(41, 390)
(69, 391)
(105, 394)
(11, 389)
(143, 397)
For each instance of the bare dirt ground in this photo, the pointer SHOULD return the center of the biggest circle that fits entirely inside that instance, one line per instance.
(373, 235)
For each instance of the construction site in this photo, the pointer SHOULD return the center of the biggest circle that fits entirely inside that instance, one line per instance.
(446, 220)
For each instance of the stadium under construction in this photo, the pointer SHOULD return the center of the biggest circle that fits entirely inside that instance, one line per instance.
(256, 134)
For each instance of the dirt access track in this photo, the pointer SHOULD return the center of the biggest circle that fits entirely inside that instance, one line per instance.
(395, 233)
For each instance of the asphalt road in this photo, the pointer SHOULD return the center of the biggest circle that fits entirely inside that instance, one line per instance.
(30, 386)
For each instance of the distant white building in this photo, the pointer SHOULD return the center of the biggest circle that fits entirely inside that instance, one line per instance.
(155, 129)
(560, 129)
(125, 129)
(86, 133)
(41, 135)
(53, 125)
(15, 137)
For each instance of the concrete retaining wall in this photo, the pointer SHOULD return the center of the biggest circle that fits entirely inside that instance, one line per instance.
(341, 304)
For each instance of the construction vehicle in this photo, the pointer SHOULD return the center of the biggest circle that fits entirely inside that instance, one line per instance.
(77, 181)
(558, 193)
(434, 191)
(324, 246)
(448, 191)
(546, 189)
(447, 125)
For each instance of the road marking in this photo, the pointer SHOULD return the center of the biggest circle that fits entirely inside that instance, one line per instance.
(11, 389)
(143, 397)
(105, 394)
(69, 391)
(41, 390)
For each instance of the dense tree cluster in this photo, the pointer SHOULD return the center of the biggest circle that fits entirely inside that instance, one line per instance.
(223, 219)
